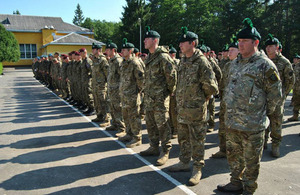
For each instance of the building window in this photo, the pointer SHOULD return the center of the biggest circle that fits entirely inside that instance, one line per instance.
(28, 51)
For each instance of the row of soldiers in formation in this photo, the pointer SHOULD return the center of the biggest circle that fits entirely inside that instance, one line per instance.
(176, 94)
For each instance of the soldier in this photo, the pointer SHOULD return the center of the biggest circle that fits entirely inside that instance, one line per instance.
(99, 83)
(224, 60)
(233, 52)
(64, 86)
(76, 79)
(131, 83)
(296, 89)
(196, 84)
(252, 93)
(287, 77)
(86, 82)
(172, 109)
(160, 82)
(113, 92)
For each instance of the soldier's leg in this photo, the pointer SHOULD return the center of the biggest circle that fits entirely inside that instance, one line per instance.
(211, 112)
(116, 113)
(253, 148)
(235, 155)
(197, 137)
(103, 105)
(152, 129)
(164, 131)
(173, 116)
(184, 143)
(276, 125)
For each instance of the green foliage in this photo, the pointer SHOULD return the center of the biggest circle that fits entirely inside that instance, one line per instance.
(78, 18)
(9, 47)
(16, 12)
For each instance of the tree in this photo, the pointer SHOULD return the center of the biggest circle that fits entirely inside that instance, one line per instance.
(78, 18)
(9, 47)
(16, 12)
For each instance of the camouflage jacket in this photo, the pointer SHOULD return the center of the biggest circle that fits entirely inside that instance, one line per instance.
(224, 81)
(252, 93)
(77, 71)
(222, 63)
(86, 70)
(297, 76)
(113, 79)
(160, 77)
(216, 69)
(286, 73)
(100, 72)
(132, 78)
(196, 84)
(70, 70)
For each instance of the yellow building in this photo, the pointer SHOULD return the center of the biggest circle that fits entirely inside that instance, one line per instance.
(42, 35)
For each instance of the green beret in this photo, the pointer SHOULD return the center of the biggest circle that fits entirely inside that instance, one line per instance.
(96, 46)
(151, 33)
(172, 49)
(271, 40)
(297, 56)
(208, 49)
(202, 47)
(126, 45)
(187, 35)
(136, 50)
(248, 32)
(234, 43)
(111, 45)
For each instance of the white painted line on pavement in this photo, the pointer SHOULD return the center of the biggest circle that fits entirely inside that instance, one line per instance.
(159, 171)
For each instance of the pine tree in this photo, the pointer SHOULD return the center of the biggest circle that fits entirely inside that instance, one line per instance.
(9, 47)
(78, 18)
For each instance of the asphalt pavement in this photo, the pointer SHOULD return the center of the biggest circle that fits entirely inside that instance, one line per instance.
(48, 147)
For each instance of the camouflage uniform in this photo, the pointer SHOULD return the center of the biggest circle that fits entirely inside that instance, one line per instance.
(160, 81)
(196, 83)
(252, 93)
(86, 81)
(77, 80)
(211, 104)
(172, 109)
(131, 83)
(99, 85)
(296, 91)
(288, 78)
(113, 92)
(64, 76)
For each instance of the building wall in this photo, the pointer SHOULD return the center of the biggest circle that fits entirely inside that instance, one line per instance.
(65, 49)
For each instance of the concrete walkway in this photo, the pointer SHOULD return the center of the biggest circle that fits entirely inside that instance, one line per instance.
(48, 147)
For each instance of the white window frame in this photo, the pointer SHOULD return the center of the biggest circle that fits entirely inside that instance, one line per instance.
(26, 52)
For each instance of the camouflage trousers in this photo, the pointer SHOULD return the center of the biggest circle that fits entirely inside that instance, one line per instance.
(276, 125)
(131, 115)
(296, 101)
(244, 151)
(87, 93)
(222, 128)
(211, 112)
(100, 102)
(173, 115)
(158, 127)
(116, 109)
(191, 139)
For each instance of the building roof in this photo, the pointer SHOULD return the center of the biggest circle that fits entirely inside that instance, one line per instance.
(36, 23)
(73, 39)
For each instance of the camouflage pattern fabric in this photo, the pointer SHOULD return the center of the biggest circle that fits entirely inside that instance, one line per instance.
(86, 80)
(160, 80)
(196, 84)
(114, 93)
(296, 89)
(131, 83)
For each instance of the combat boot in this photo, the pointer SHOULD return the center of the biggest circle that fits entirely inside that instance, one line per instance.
(210, 129)
(134, 142)
(98, 119)
(185, 167)
(231, 187)
(111, 128)
(219, 154)
(196, 176)
(266, 144)
(151, 151)
(125, 138)
(163, 158)
(275, 151)
(121, 133)
(104, 124)
(294, 117)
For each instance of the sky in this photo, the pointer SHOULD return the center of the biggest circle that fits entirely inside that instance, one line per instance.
(108, 10)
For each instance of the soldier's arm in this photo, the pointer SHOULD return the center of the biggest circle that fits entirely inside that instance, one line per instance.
(217, 71)
(139, 74)
(289, 78)
(170, 74)
(208, 79)
(105, 66)
(273, 88)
